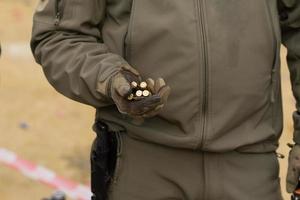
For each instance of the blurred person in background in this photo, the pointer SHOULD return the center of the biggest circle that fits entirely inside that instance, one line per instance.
(216, 135)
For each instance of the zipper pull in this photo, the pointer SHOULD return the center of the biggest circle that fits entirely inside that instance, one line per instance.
(57, 12)
(57, 19)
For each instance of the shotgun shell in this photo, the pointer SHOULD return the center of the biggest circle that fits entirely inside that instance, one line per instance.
(143, 85)
(134, 84)
(130, 97)
(139, 93)
(146, 93)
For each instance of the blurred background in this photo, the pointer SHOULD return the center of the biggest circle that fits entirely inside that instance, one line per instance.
(42, 126)
(36, 122)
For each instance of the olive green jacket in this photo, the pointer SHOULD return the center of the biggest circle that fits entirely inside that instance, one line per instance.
(221, 59)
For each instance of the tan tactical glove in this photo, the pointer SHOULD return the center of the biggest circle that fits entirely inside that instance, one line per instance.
(160, 89)
(119, 89)
(293, 172)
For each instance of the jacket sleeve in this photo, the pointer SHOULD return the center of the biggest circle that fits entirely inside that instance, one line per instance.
(66, 41)
(289, 11)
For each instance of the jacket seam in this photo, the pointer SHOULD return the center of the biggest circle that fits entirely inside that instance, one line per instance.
(272, 29)
(275, 68)
(209, 85)
(197, 136)
(129, 48)
(202, 23)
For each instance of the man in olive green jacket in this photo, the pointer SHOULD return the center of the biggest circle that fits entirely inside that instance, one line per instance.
(216, 135)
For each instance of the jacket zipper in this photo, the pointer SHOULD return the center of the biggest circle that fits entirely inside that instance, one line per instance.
(58, 11)
(127, 48)
(200, 12)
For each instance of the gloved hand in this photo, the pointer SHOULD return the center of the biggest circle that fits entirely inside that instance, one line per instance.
(159, 88)
(119, 90)
(293, 172)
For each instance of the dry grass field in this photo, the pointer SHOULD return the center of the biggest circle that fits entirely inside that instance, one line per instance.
(57, 131)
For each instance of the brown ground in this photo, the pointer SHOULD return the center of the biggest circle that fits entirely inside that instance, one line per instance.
(59, 132)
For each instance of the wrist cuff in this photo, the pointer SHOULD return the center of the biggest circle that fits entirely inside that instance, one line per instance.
(105, 77)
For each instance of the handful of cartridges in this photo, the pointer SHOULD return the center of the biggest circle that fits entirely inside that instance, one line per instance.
(139, 91)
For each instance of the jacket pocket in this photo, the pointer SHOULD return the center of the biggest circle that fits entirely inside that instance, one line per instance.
(128, 36)
(49, 12)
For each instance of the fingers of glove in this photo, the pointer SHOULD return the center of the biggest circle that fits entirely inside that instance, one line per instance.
(142, 106)
(159, 83)
(162, 89)
(136, 108)
(121, 85)
(164, 93)
(150, 84)
(121, 103)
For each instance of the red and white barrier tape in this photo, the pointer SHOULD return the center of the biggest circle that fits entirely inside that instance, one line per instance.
(44, 175)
